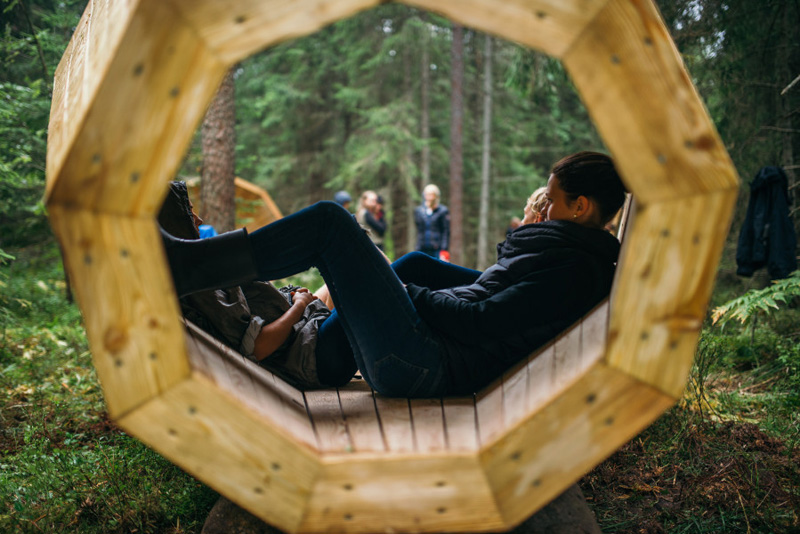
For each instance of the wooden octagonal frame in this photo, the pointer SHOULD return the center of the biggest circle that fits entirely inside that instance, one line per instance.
(129, 92)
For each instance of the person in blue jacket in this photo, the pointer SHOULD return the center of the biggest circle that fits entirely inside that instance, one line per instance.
(418, 339)
(433, 224)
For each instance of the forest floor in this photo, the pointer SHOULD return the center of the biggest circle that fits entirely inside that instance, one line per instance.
(722, 477)
(724, 460)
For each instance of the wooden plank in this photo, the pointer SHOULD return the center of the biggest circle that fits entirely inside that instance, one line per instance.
(235, 31)
(666, 276)
(361, 417)
(82, 68)
(417, 493)
(252, 385)
(159, 68)
(213, 365)
(489, 406)
(548, 25)
(594, 335)
(632, 80)
(460, 424)
(427, 419)
(230, 373)
(202, 430)
(239, 375)
(567, 356)
(605, 408)
(541, 383)
(328, 419)
(196, 351)
(131, 314)
(515, 390)
(60, 126)
(395, 419)
(295, 415)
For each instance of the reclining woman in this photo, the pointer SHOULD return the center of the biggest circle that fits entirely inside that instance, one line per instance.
(416, 341)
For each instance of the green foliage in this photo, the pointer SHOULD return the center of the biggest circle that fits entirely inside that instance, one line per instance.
(765, 300)
(23, 121)
(33, 36)
(89, 484)
(63, 466)
(341, 109)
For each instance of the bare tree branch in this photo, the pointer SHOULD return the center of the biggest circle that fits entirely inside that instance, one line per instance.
(786, 89)
(784, 130)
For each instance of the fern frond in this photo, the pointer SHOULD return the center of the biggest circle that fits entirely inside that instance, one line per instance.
(744, 307)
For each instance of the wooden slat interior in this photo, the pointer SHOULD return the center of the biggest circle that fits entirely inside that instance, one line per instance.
(253, 386)
(354, 419)
(532, 383)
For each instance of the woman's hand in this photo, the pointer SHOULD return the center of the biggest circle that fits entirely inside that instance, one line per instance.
(273, 335)
(302, 298)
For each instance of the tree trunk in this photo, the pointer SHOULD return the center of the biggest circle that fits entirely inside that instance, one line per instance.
(784, 76)
(425, 128)
(455, 202)
(425, 134)
(217, 189)
(405, 186)
(783, 109)
(483, 221)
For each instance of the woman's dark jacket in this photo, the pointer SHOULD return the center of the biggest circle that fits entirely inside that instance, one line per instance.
(433, 231)
(767, 238)
(547, 276)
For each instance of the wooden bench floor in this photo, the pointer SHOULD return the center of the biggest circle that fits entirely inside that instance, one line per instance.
(355, 419)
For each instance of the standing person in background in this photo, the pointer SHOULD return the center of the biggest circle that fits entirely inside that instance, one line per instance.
(433, 224)
(343, 199)
(370, 217)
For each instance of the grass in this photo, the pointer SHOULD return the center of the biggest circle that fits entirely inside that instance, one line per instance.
(64, 467)
(723, 460)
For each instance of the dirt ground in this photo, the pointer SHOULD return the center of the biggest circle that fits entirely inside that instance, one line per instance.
(726, 477)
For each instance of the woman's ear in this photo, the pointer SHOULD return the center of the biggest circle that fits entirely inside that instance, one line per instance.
(582, 205)
(586, 211)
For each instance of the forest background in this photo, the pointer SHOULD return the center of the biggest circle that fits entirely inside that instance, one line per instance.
(380, 102)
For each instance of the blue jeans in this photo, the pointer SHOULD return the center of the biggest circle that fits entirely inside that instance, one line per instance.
(335, 362)
(398, 354)
(423, 270)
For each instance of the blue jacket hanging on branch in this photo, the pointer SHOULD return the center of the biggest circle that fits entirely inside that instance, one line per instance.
(767, 238)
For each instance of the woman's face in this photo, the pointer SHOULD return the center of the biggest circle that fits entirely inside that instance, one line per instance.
(559, 205)
(530, 216)
(371, 201)
(195, 217)
(431, 200)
